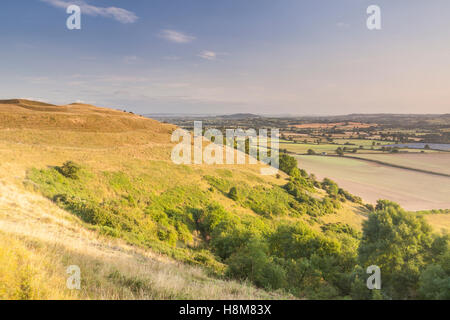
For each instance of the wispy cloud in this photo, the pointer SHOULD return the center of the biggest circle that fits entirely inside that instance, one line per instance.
(208, 55)
(119, 14)
(175, 36)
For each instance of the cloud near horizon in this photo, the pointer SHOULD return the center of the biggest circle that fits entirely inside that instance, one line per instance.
(119, 14)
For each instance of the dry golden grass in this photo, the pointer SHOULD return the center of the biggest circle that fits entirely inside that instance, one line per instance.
(79, 117)
(28, 273)
(352, 214)
(39, 241)
(439, 222)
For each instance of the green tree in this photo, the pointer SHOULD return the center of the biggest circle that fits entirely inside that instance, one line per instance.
(400, 244)
(435, 280)
(340, 152)
(253, 263)
(287, 163)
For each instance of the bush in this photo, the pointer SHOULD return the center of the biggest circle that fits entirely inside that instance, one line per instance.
(330, 187)
(233, 194)
(340, 227)
(299, 241)
(253, 263)
(69, 170)
(287, 163)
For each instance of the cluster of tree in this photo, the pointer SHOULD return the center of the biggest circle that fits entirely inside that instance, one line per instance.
(414, 262)
(390, 149)
(341, 151)
(278, 255)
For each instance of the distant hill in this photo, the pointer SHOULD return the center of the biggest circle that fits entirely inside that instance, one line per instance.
(235, 116)
(240, 116)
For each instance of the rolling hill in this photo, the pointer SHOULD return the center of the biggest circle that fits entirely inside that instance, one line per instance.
(95, 187)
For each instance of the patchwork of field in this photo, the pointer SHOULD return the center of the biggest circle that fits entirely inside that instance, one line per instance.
(340, 125)
(413, 190)
(302, 148)
(436, 162)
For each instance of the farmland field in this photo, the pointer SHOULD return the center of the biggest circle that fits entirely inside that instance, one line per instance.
(440, 222)
(302, 148)
(413, 190)
(436, 162)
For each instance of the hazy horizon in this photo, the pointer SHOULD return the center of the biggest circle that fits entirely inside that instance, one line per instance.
(288, 57)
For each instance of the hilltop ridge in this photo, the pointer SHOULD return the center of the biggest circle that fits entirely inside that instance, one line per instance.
(22, 113)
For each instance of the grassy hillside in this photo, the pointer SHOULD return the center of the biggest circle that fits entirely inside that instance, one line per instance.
(111, 187)
(38, 241)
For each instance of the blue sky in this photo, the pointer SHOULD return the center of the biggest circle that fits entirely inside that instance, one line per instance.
(227, 56)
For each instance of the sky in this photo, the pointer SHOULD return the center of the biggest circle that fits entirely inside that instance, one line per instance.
(229, 56)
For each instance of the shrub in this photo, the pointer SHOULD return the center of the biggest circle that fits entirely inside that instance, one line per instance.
(233, 194)
(340, 227)
(287, 163)
(330, 187)
(253, 263)
(435, 280)
(299, 241)
(400, 244)
(69, 169)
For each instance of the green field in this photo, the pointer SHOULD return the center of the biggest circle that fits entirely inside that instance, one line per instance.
(302, 148)
(330, 148)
